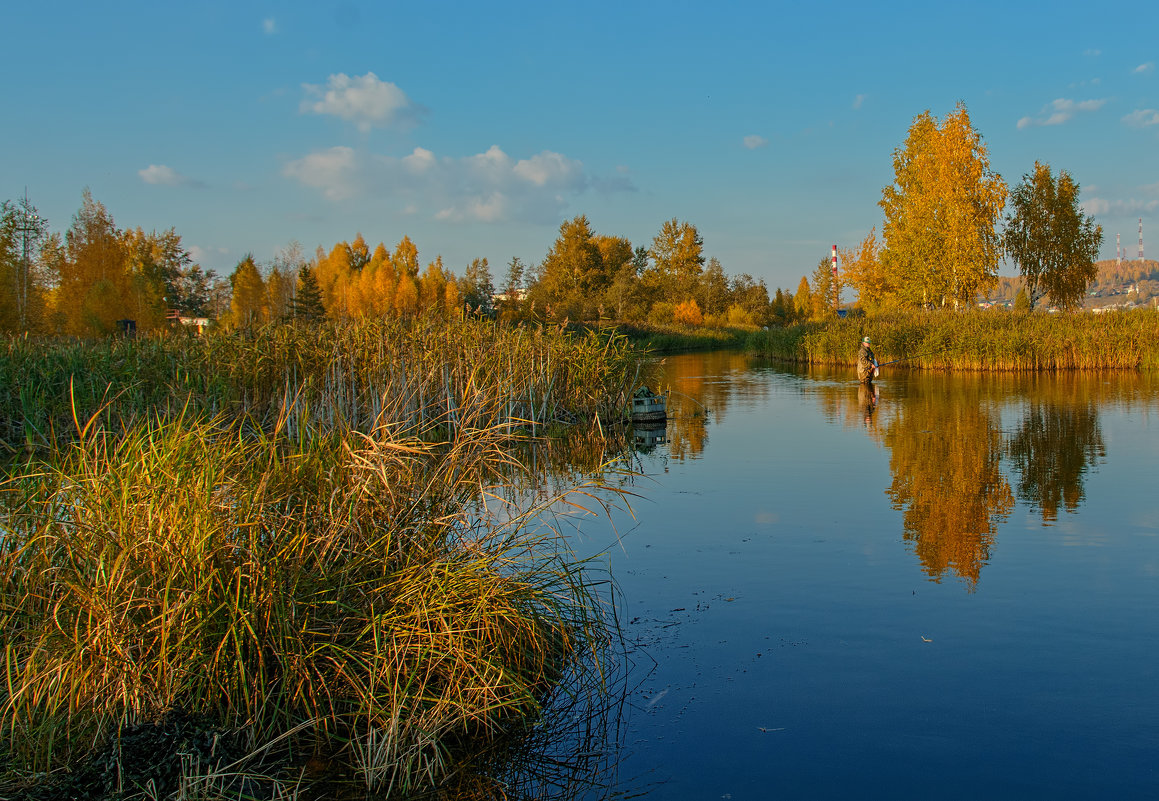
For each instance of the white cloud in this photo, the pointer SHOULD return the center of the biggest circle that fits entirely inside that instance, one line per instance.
(1095, 206)
(753, 141)
(1143, 69)
(484, 187)
(1121, 207)
(333, 171)
(857, 101)
(1142, 118)
(1093, 52)
(363, 99)
(420, 160)
(269, 26)
(161, 175)
(1060, 111)
(200, 255)
(552, 169)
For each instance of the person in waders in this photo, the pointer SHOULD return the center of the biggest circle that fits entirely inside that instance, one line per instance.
(866, 363)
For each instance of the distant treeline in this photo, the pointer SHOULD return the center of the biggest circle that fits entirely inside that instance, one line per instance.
(96, 277)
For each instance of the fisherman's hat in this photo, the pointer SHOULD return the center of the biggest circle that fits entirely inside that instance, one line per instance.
(865, 340)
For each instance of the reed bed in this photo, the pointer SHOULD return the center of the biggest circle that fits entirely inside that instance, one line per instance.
(977, 340)
(318, 596)
(346, 599)
(341, 376)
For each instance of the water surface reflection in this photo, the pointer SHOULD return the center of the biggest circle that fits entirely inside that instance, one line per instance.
(827, 589)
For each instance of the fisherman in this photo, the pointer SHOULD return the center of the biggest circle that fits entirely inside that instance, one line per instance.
(866, 363)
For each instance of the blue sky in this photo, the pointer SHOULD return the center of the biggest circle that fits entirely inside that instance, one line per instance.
(476, 128)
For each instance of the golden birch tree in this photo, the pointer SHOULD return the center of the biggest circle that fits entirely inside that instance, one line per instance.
(941, 244)
(863, 271)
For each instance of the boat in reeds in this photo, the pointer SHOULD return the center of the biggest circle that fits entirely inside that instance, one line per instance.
(649, 407)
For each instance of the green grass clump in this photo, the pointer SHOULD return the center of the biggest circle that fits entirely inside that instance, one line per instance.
(308, 560)
(976, 340)
(346, 600)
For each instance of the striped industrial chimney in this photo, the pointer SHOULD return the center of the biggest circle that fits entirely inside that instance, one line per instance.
(837, 292)
(1140, 239)
(1118, 250)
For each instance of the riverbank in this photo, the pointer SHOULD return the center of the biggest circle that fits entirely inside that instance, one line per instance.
(294, 562)
(975, 340)
(650, 338)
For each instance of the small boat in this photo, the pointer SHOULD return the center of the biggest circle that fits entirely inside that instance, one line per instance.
(648, 407)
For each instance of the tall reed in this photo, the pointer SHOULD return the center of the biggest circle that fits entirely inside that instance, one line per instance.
(977, 340)
(314, 578)
(342, 375)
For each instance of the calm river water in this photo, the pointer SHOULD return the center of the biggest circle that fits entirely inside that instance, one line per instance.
(947, 591)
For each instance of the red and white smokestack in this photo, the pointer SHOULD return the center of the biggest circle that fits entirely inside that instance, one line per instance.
(836, 289)
(1140, 239)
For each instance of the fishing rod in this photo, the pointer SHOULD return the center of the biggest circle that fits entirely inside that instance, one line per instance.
(920, 355)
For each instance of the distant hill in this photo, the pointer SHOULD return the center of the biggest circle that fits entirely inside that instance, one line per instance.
(1126, 283)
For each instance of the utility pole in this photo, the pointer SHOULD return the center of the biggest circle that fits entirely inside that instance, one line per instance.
(31, 227)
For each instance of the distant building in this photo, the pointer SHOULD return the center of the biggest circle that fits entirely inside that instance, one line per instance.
(200, 323)
(503, 297)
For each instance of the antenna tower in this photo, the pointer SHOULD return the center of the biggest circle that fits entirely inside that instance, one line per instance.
(1140, 239)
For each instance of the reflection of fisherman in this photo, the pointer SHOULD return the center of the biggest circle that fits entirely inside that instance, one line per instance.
(866, 363)
(867, 399)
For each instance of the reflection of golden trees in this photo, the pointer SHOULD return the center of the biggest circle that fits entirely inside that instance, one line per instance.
(702, 384)
(1058, 439)
(945, 436)
(946, 446)
(946, 452)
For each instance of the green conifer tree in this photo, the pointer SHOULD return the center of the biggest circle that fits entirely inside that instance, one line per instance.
(306, 305)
